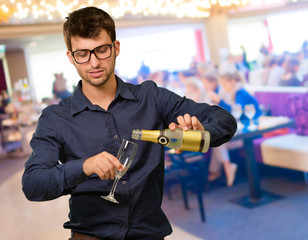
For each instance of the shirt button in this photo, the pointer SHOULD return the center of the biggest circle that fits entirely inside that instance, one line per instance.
(115, 136)
(123, 227)
(123, 182)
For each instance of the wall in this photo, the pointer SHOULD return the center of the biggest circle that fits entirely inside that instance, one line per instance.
(17, 65)
(17, 69)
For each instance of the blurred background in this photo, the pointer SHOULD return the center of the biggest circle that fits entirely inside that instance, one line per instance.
(176, 43)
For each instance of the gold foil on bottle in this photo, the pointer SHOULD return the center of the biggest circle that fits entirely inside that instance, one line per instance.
(150, 135)
(191, 141)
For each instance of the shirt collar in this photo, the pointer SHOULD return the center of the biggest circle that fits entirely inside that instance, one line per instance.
(123, 90)
(80, 102)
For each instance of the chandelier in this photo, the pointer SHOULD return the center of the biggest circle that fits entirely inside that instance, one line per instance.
(36, 11)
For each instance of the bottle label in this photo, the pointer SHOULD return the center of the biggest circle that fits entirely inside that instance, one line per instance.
(193, 141)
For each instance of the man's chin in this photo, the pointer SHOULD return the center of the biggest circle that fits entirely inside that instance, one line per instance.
(97, 83)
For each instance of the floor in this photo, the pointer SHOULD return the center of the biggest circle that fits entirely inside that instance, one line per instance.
(283, 219)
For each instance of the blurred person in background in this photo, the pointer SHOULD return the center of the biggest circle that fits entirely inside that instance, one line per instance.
(205, 68)
(230, 94)
(75, 142)
(59, 89)
(7, 106)
(227, 64)
(233, 92)
(263, 56)
(290, 78)
(4, 101)
(220, 155)
(210, 86)
(243, 65)
(194, 89)
(174, 83)
(161, 78)
(276, 71)
(143, 73)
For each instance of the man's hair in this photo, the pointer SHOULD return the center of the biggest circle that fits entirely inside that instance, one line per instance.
(87, 23)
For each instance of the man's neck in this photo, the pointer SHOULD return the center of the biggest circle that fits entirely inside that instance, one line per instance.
(101, 95)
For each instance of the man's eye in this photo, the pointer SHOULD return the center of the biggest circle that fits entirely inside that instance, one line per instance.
(81, 53)
(102, 49)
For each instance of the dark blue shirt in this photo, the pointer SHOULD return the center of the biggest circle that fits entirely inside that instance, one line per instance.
(69, 133)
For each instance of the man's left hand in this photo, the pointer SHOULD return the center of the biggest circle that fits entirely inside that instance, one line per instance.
(186, 122)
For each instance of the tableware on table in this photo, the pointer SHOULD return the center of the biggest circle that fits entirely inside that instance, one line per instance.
(237, 111)
(250, 111)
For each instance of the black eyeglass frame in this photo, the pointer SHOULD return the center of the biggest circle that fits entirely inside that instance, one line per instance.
(93, 51)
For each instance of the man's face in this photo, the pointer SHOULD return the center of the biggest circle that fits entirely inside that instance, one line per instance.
(95, 72)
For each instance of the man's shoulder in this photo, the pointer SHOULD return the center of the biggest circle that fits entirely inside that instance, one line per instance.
(144, 84)
(143, 87)
(59, 108)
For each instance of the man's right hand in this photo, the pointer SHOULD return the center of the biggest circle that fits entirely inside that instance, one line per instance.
(103, 164)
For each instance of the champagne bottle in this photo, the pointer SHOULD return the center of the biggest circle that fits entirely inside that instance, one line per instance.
(190, 140)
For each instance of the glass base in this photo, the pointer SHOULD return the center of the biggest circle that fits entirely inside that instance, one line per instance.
(110, 198)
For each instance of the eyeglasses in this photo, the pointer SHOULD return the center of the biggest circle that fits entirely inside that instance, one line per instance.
(84, 55)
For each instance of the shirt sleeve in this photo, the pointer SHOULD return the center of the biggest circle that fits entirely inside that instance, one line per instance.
(219, 122)
(45, 178)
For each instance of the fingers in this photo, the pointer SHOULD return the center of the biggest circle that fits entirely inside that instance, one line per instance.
(173, 126)
(196, 124)
(107, 170)
(187, 122)
(102, 164)
(182, 121)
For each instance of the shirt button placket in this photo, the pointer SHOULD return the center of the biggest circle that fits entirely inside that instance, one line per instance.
(112, 128)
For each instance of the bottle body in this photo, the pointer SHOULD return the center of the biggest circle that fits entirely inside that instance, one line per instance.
(190, 140)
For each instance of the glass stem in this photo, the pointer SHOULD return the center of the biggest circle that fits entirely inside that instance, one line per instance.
(115, 183)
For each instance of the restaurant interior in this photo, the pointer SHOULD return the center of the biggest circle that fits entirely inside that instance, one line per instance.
(179, 44)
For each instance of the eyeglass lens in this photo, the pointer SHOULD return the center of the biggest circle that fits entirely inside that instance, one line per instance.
(101, 52)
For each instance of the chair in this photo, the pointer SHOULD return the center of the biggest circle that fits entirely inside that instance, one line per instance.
(290, 151)
(190, 169)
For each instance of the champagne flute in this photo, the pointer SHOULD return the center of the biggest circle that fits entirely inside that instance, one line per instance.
(236, 111)
(126, 154)
(250, 112)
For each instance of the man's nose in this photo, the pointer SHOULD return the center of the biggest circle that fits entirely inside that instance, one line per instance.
(94, 61)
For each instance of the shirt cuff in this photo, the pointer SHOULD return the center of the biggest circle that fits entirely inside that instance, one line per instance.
(74, 173)
(213, 134)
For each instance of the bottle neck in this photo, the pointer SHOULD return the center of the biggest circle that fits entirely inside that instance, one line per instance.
(151, 135)
(146, 135)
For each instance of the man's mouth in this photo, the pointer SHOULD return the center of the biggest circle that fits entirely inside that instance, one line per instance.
(96, 73)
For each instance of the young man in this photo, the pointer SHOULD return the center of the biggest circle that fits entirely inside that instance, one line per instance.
(75, 142)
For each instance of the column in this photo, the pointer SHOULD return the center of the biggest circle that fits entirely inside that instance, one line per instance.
(217, 35)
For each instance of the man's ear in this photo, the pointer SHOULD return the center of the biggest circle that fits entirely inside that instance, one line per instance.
(117, 47)
(70, 57)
